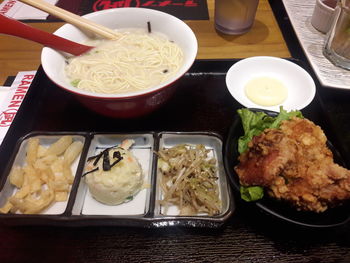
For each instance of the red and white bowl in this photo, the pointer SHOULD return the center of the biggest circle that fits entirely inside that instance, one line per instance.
(131, 104)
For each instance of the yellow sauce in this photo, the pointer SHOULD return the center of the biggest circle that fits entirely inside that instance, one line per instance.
(266, 91)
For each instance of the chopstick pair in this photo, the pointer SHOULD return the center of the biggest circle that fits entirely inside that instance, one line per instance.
(73, 18)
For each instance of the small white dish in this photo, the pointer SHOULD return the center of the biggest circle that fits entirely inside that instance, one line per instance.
(300, 85)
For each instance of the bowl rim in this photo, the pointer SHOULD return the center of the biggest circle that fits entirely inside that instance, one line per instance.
(128, 95)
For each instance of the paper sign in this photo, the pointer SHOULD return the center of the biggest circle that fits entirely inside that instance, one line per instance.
(11, 99)
(18, 10)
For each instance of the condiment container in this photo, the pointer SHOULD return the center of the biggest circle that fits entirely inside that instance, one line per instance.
(322, 15)
(337, 45)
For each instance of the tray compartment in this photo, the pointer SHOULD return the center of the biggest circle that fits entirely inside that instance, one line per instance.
(142, 149)
(214, 144)
(19, 159)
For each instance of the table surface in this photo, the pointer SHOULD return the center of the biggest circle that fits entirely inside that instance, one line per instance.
(264, 38)
(248, 236)
(312, 41)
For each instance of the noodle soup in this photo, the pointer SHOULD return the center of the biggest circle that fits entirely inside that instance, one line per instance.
(138, 60)
(123, 104)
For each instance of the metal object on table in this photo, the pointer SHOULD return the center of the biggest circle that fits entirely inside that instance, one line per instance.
(337, 45)
(312, 43)
(322, 15)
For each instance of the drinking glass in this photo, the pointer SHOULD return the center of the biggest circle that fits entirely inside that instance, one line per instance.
(235, 17)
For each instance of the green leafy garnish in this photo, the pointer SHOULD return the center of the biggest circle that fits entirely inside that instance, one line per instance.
(75, 82)
(129, 198)
(251, 193)
(254, 123)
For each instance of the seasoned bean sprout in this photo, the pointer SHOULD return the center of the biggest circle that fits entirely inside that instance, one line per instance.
(189, 180)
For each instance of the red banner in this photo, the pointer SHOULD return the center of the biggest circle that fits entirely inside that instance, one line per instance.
(183, 9)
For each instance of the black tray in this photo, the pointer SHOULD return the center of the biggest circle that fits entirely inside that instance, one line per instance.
(200, 103)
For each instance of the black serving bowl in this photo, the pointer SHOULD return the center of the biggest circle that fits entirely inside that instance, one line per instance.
(332, 217)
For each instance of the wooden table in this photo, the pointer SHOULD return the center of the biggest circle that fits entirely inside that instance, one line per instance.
(265, 38)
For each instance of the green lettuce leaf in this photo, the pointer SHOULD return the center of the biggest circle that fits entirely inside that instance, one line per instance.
(251, 193)
(254, 123)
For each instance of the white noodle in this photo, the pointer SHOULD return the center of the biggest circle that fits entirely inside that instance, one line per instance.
(137, 61)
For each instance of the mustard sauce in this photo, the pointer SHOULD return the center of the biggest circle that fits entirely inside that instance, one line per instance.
(266, 91)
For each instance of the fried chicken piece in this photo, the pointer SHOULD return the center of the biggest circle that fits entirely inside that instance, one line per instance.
(295, 164)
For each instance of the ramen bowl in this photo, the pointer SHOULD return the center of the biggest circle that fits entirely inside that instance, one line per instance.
(131, 104)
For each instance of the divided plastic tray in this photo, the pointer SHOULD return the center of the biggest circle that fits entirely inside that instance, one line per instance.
(144, 210)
